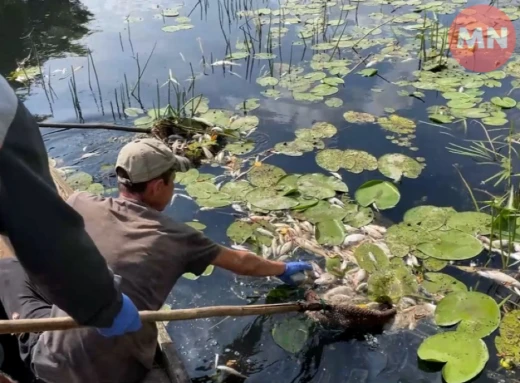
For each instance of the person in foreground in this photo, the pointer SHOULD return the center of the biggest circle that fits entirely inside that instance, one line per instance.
(148, 251)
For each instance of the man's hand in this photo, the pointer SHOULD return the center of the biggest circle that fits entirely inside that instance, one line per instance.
(292, 268)
(127, 320)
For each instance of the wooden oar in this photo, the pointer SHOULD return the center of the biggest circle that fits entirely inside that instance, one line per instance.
(18, 326)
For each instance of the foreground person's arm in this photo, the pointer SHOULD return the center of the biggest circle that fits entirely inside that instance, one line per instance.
(246, 263)
(47, 235)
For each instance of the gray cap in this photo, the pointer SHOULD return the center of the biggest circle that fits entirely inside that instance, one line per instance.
(147, 158)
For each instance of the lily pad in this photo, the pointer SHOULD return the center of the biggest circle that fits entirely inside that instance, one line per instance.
(503, 102)
(187, 177)
(239, 231)
(451, 245)
(291, 334)
(391, 283)
(201, 189)
(494, 121)
(382, 194)
(320, 186)
(79, 181)
(215, 200)
(269, 199)
(323, 130)
(397, 124)
(465, 356)
(331, 232)
(358, 117)
(133, 112)
(271, 93)
(371, 257)
(315, 76)
(355, 161)
(324, 90)
(264, 56)
(508, 343)
(245, 123)
(219, 117)
(334, 102)
(248, 105)
(294, 148)
(176, 28)
(196, 225)
(192, 277)
(433, 264)
(330, 159)
(237, 190)
(96, 188)
(322, 211)
(359, 217)
(428, 217)
(143, 121)
(477, 314)
(397, 165)
(444, 284)
(471, 222)
(240, 147)
(237, 55)
(267, 81)
(440, 118)
(265, 175)
(368, 72)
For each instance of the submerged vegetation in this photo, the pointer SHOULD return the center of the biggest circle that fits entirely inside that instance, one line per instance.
(311, 53)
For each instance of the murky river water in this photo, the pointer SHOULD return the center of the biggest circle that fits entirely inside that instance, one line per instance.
(63, 31)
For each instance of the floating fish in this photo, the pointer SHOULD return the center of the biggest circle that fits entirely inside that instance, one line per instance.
(325, 279)
(207, 153)
(498, 243)
(225, 62)
(230, 371)
(306, 225)
(336, 202)
(266, 251)
(337, 175)
(375, 234)
(359, 277)
(353, 239)
(285, 248)
(237, 207)
(411, 260)
(499, 277)
(185, 196)
(240, 247)
(235, 74)
(263, 231)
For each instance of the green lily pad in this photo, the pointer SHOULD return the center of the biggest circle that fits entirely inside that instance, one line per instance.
(322, 211)
(315, 76)
(451, 245)
(439, 283)
(398, 165)
(96, 188)
(201, 189)
(265, 175)
(334, 102)
(267, 81)
(296, 147)
(272, 93)
(239, 231)
(215, 200)
(323, 130)
(503, 102)
(325, 90)
(264, 56)
(392, 283)
(133, 112)
(359, 216)
(248, 105)
(287, 184)
(320, 186)
(269, 199)
(291, 334)
(428, 217)
(240, 147)
(397, 124)
(143, 121)
(245, 123)
(477, 314)
(300, 96)
(471, 222)
(196, 225)
(371, 257)
(382, 194)
(330, 159)
(333, 81)
(433, 264)
(355, 161)
(238, 55)
(79, 181)
(331, 232)
(440, 118)
(185, 178)
(176, 28)
(465, 356)
(237, 190)
(183, 20)
(192, 277)
(508, 343)
(494, 121)
(219, 117)
(170, 12)
(358, 117)
(368, 72)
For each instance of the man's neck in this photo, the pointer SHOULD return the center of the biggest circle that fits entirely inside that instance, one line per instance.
(132, 197)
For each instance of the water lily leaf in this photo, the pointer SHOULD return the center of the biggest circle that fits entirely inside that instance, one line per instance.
(133, 112)
(271, 93)
(444, 284)
(323, 46)
(391, 283)
(382, 194)
(333, 81)
(96, 188)
(494, 121)
(79, 181)
(477, 314)
(461, 104)
(315, 76)
(451, 245)
(208, 271)
(237, 55)
(508, 343)
(320, 186)
(248, 105)
(503, 102)
(267, 81)
(269, 199)
(196, 225)
(143, 121)
(187, 177)
(264, 56)
(334, 102)
(219, 117)
(170, 12)
(240, 147)
(323, 130)
(298, 96)
(475, 113)
(440, 118)
(215, 200)
(265, 175)
(190, 276)
(358, 216)
(358, 117)
(355, 161)
(397, 124)
(291, 334)
(245, 123)
(239, 231)
(433, 264)
(371, 257)
(322, 211)
(176, 28)
(465, 356)
(201, 189)
(298, 147)
(428, 217)
(237, 190)
(397, 165)
(330, 159)
(471, 222)
(183, 20)
(368, 72)
(331, 232)
(324, 90)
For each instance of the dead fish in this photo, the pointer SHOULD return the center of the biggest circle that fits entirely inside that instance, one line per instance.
(283, 258)
(379, 228)
(173, 199)
(483, 239)
(336, 202)
(240, 247)
(285, 248)
(297, 230)
(411, 260)
(217, 129)
(407, 302)
(497, 243)
(349, 228)
(263, 231)
(516, 246)
(235, 74)
(373, 233)
(353, 239)
(361, 287)
(337, 175)
(383, 246)
(206, 208)
(230, 371)
(237, 207)
(274, 246)
(499, 277)
(266, 251)
(359, 277)
(225, 62)
(185, 196)
(207, 153)
(371, 63)
(372, 257)
(307, 226)
(325, 279)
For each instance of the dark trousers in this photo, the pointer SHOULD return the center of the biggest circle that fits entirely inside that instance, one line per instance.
(19, 298)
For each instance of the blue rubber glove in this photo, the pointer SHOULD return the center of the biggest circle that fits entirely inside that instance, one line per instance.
(292, 268)
(127, 320)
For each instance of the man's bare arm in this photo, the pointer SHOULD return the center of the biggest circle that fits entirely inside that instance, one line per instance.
(246, 263)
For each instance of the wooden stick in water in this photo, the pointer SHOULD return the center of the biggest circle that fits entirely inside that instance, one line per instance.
(94, 126)
(18, 326)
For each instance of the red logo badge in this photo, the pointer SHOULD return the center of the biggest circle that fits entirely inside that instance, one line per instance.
(482, 38)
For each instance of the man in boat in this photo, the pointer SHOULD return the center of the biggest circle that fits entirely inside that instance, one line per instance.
(148, 252)
(47, 236)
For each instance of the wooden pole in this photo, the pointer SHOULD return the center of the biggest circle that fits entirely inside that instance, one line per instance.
(94, 126)
(18, 326)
